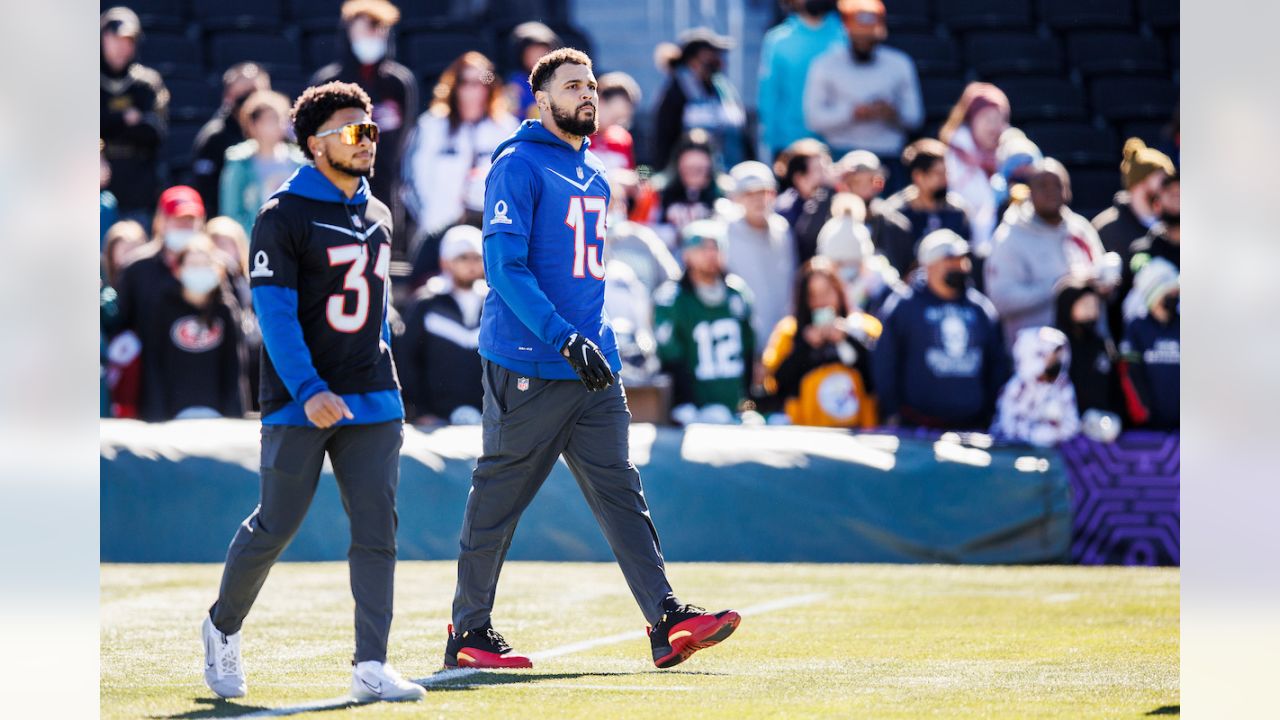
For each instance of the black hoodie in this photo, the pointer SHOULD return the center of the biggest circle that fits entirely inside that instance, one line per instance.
(133, 151)
(1093, 355)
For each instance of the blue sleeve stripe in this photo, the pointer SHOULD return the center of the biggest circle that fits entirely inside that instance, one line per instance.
(277, 310)
(507, 272)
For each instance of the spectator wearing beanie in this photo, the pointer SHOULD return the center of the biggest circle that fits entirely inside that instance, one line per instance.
(1151, 352)
(437, 357)
(972, 134)
(940, 360)
(1014, 160)
(785, 55)
(1039, 244)
(134, 115)
(863, 95)
(1131, 213)
(867, 277)
(759, 246)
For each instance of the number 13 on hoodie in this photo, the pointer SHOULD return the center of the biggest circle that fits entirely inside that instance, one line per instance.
(587, 257)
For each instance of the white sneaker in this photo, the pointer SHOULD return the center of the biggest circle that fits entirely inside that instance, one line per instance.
(372, 680)
(223, 669)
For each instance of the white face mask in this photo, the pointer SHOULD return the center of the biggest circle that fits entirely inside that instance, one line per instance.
(199, 280)
(177, 239)
(369, 50)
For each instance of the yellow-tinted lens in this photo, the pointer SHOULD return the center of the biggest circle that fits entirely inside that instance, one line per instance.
(351, 134)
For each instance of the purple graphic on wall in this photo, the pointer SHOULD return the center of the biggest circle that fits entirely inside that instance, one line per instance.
(1125, 499)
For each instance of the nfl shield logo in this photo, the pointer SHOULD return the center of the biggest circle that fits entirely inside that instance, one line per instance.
(522, 384)
(580, 175)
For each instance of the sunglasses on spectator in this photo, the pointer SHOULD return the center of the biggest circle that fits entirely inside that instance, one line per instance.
(351, 134)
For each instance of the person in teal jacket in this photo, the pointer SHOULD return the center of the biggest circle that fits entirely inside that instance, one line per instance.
(255, 168)
(785, 55)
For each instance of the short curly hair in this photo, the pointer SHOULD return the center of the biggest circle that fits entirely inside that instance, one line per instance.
(318, 103)
(547, 64)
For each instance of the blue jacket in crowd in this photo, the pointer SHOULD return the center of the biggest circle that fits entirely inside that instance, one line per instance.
(939, 363)
(785, 55)
(1152, 352)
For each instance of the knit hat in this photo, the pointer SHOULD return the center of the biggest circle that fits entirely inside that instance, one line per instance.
(1140, 161)
(699, 231)
(120, 20)
(843, 240)
(1015, 149)
(1154, 280)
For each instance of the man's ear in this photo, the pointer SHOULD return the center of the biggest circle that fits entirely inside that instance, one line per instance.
(541, 99)
(313, 144)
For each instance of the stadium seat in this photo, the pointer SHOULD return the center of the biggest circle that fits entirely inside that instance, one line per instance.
(1107, 53)
(428, 53)
(255, 15)
(1043, 98)
(153, 14)
(1075, 143)
(1175, 52)
(1134, 98)
(437, 14)
(1093, 188)
(312, 15)
(177, 148)
(171, 54)
(907, 15)
(933, 55)
(964, 15)
(1160, 14)
(939, 94)
(192, 99)
(276, 52)
(319, 49)
(1152, 132)
(993, 54)
(1085, 14)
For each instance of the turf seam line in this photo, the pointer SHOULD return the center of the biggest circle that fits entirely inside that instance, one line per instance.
(569, 649)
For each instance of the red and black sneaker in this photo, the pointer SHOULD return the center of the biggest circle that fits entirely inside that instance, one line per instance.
(483, 647)
(688, 629)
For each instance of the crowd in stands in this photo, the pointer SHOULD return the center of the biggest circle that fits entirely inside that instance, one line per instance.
(861, 274)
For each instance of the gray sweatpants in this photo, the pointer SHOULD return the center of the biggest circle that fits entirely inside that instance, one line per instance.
(366, 462)
(528, 424)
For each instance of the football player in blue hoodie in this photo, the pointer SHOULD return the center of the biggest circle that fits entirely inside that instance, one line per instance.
(319, 257)
(550, 376)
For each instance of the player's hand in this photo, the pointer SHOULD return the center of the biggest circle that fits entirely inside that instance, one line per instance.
(587, 360)
(326, 408)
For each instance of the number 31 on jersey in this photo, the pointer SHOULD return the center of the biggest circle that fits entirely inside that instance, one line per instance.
(587, 257)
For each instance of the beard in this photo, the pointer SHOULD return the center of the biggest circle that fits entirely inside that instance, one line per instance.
(351, 170)
(572, 124)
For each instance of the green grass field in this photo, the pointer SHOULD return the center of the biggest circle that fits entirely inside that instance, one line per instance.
(864, 641)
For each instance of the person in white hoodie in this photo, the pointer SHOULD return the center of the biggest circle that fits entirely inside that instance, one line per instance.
(448, 154)
(1039, 243)
(1038, 404)
(972, 134)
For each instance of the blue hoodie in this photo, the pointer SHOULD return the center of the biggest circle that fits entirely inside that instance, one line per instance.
(545, 207)
(785, 56)
(294, 281)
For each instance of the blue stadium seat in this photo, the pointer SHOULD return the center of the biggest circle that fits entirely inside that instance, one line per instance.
(939, 94)
(1109, 53)
(1086, 14)
(1043, 98)
(172, 54)
(907, 15)
(319, 49)
(192, 99)
(933, 55)
(1134, 98)
(1160, 14)
(964, 15)
(1152, 132)
(1012, 54)
(278, 53)
(428, 53)
(253, 15)
(438, 14)
(153, 14)
(1092, 188)
(1075, 143)
(1175, 52)
(315, 14)
(177, 149)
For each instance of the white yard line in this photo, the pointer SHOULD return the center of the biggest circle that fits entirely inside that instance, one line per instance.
(452, 676)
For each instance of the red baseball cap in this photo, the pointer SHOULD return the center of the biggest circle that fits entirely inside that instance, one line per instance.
(181, 200)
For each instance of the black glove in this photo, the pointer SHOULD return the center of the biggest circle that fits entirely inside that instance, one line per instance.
(587, 360)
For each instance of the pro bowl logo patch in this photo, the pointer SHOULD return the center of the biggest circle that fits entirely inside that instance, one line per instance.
(192, 335)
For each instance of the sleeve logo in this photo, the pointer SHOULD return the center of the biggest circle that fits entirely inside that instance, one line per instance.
(500, 214)
(260, 266)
